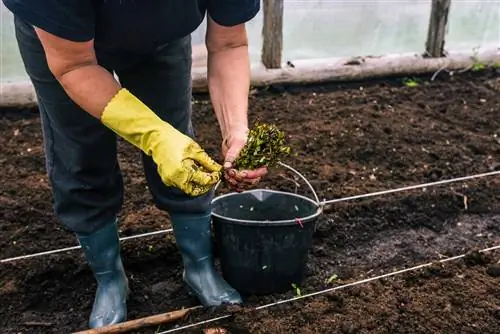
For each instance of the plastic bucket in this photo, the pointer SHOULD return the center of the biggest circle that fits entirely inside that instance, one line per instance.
(263, 238)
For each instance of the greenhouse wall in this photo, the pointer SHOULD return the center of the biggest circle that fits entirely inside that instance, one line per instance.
(330, 28)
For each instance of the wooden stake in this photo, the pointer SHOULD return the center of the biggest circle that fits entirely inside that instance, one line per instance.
(437, 28)
(128, 326)
(272, 33)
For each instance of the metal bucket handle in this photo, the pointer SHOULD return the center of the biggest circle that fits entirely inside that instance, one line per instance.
(296, 172)
(316, 198)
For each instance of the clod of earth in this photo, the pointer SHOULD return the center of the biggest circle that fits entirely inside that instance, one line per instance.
(494, 270)
(474, 258)
(266, 146)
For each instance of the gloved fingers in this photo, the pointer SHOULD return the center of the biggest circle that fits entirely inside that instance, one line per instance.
(202, 157)
(199, 176)
(195, 190)
(205, 179)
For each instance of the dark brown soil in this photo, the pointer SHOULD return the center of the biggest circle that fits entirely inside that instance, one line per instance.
(350, 139)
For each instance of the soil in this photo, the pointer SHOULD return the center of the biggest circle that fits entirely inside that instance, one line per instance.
(349, 139)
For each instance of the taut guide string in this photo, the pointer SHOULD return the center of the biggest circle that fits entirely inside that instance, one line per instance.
(390, 191)
(78, 247)
(320, 203)
(339, 287)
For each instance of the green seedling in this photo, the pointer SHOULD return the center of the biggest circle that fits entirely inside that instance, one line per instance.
(266, 146)
(297, 290)
(331, 279)
(478, 67)
(410, 82)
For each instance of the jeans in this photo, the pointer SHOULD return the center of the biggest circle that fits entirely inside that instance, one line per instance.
(81, 153)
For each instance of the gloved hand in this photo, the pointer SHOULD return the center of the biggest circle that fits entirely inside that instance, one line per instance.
(181, 162)
(239, 180)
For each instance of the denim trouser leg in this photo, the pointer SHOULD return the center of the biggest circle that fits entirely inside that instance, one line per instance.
(81, 152)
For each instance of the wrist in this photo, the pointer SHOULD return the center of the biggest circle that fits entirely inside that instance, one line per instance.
(236, 133)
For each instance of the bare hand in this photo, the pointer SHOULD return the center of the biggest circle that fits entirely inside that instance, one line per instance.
(239, 180)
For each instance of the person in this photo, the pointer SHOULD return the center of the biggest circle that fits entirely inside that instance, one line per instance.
(108, 68)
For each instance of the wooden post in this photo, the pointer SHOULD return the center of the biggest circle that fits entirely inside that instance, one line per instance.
(437, 28)
(131, 325)
(272, 33)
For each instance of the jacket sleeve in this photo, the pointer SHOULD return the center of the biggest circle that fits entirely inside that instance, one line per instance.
(69, 19)
(233, 12)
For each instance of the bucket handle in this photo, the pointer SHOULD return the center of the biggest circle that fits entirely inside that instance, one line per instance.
(305, 180)
(316, 198)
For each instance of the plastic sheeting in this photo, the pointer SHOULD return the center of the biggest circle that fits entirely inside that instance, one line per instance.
(332, 28)
(11, 68)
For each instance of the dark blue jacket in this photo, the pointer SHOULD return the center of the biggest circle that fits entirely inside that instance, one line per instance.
(129, 25)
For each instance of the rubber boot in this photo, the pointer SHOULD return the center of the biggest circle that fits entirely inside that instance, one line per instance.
(102, 250)
(193, 237)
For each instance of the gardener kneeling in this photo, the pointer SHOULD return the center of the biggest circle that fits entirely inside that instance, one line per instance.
(70, 50)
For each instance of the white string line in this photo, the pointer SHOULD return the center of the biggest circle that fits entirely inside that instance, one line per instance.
(78, 247)
(385, 192)
(339, 287)
(424, 185)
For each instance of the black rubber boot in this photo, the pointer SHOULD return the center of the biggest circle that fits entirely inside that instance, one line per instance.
(102, 250)
(193, 238)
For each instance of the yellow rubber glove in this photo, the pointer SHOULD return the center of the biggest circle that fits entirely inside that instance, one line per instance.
(181, 162)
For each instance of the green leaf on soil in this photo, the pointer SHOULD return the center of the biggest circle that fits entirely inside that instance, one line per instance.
(297, 290)
(410, 82)
(331, 279)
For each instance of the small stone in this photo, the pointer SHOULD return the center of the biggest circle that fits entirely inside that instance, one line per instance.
(349, 328)
(494, 270)
(215, 330)
(162, 287)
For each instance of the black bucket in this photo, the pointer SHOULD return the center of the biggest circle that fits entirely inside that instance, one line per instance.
(263, 239)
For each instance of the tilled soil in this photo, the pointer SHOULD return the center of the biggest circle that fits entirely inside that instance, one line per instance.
(349, 139)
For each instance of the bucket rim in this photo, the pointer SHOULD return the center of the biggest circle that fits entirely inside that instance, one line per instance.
(305, 219)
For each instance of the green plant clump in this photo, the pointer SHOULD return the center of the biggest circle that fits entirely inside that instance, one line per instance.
(266, 146)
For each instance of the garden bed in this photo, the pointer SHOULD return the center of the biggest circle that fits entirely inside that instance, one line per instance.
(350, 139)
